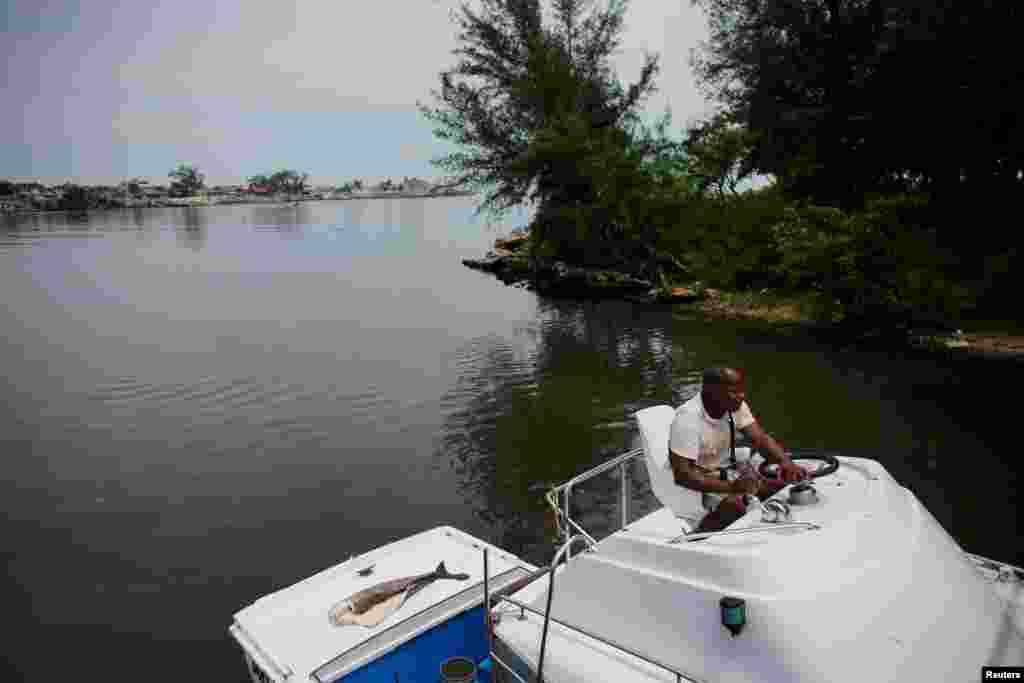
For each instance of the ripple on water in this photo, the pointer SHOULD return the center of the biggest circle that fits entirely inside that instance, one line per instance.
(130, 390)
(211, 394)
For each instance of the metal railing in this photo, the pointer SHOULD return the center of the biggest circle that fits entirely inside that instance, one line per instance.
(566, 524)
(503, 596)
(805, 526)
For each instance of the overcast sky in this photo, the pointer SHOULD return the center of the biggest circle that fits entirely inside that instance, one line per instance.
(101, 91)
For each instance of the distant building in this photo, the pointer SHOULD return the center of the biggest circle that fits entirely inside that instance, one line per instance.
(416, 185)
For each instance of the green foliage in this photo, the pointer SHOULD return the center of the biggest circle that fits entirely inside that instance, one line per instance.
(519, 80)
(611, 189)
(75, 198)
(285, 181)
(134, 186)
(882, 267)
(849, 97)
(289, 181)
(351, 186)
(725, 241)
(719, 151)
(186, 180)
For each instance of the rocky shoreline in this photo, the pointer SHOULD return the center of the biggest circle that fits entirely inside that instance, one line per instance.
(509, 262)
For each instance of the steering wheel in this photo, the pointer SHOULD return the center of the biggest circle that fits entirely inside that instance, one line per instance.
(771, 470)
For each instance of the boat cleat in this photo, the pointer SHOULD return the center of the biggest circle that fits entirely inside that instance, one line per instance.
(774, 510)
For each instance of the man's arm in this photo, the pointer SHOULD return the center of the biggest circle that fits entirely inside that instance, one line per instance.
(688, 474)
(773, 453)
(765, 444)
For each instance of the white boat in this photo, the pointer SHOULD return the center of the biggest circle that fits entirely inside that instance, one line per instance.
(287, 635)
(859, 584)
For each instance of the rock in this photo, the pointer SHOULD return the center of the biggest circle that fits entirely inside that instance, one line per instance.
(686, 294)
(683, 294)
(936, 338)
(490, 265)
(512, 242)
(555, 276)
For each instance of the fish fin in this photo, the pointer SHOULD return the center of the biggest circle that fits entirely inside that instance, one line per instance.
(440, 569)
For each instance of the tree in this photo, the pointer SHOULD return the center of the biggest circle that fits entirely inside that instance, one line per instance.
(187, 180)
(289, 182)
(517, 78)
(134, 186)
(285, 181)
(351, 186)
(719, 151)
(851, 96)
(75, 198)
(856, 99)
(259, 181)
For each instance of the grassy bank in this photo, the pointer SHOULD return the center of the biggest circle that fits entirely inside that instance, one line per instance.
(1002, 339)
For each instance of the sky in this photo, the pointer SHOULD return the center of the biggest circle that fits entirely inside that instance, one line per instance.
(103, 91)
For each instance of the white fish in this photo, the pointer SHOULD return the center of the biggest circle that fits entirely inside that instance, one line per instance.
(370, 606)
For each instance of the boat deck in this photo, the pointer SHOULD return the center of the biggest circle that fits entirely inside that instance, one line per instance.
(289, 634)
(864, 594)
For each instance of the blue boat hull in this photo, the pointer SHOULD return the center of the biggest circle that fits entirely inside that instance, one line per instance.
(419, 660)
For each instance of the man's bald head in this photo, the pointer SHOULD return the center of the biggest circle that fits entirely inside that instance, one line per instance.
(722, 391)
(721, 375)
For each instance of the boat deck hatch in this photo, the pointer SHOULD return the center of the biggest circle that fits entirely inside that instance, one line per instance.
(389, 639)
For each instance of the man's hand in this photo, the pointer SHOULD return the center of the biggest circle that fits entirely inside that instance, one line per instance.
(790, 471)
(746, 486)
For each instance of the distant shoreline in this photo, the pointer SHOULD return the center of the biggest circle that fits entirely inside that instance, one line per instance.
(163, 203)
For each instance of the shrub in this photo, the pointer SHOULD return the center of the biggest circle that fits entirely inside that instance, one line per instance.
(727, 242)
(881, 268)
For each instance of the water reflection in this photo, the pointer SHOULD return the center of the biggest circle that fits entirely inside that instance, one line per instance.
(139, 217)
(192, 232)
(356, 209)
(78, 219)
(162, 422)
(412, 212)
(286, 219)
(519, 419)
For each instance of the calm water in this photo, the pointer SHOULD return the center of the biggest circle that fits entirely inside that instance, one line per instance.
(201, 406)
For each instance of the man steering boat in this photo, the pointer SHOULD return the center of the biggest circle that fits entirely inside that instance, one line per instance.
(702, 452)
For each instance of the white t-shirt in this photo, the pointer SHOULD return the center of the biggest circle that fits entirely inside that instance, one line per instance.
(699, 437)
